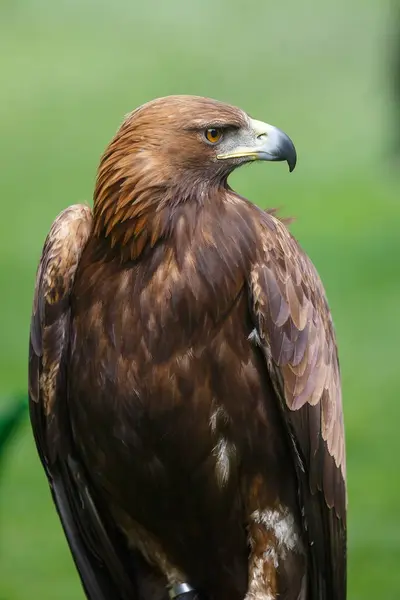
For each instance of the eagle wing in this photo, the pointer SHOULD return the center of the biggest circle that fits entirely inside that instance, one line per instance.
(296, 335)
(89, 537)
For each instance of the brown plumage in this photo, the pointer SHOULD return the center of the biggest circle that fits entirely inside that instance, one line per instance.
(184, 384)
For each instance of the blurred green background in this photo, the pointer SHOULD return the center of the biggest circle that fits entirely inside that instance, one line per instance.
(71, 69)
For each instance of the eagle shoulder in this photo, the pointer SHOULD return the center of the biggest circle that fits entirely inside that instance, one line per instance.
(61, 253)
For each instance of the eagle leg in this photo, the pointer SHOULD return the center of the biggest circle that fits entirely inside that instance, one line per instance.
(154, 555)
(276, 555)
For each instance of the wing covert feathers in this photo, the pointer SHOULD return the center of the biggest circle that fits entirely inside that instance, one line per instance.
(55, 276)
(294, 323)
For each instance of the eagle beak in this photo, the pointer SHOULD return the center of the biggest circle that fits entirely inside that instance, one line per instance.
(268, 143)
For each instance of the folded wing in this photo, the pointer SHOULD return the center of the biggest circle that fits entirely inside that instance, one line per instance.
(294, 325)
(92, 540)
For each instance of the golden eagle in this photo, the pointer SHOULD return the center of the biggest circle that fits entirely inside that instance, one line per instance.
(184, 383)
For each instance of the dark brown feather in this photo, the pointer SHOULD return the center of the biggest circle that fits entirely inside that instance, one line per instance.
(295, 326)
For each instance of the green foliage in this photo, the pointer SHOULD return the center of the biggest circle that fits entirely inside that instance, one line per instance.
(71, 70)
(11, 414)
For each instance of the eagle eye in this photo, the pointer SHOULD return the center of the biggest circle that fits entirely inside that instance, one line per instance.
(213, 135)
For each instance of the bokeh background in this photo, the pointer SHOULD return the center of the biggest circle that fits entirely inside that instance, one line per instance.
(325, 73)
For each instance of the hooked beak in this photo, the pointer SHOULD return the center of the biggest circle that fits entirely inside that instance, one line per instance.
(267, 143)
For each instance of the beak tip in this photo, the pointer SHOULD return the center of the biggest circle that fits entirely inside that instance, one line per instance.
(291, 156)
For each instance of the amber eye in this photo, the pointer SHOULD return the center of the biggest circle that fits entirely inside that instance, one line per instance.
(213, 135)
